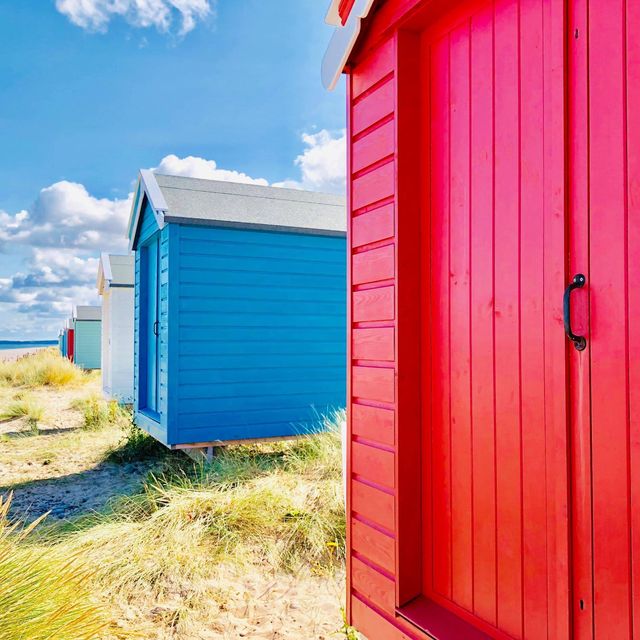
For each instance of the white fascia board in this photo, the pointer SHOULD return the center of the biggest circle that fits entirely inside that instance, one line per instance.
(147, 185)
(333, 16)
(341, 44)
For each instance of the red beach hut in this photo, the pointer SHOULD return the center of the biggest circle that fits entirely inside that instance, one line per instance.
(494, 238)
(71, 342)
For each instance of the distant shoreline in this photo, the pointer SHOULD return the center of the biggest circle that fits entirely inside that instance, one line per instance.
(14, 354)
(26, 344)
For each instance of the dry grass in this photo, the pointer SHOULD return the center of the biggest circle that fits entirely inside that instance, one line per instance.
(43, 595)
(99, 413)
(24, 406)
(44, 368)
(277, 506)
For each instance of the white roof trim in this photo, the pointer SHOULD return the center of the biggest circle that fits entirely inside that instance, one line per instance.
(333, 16)
(104, 273)
(342, 42)
(147, 185)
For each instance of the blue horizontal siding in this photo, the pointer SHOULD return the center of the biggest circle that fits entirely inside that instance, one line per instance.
(260, 350)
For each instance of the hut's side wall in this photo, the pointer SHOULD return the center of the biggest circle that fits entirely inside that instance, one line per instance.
(260, 340)
(384, 296)
(87, 344)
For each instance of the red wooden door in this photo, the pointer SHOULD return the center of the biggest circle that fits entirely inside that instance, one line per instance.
(495, 452)
(604, 209)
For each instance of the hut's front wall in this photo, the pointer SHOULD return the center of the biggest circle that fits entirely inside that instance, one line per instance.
(87, 343)
(155, 423)
(258, 333)
(117, 343)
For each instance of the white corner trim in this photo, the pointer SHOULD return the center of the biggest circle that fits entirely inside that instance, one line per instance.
(342, 42)
(147, 185)
(104, 273)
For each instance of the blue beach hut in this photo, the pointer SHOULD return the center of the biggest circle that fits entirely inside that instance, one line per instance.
(87, 336)
(240, 309)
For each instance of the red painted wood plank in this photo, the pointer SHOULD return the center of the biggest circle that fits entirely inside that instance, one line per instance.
(609, 382)
(372, 69)
(373, 226)
(633, 290)
(373, 504)
(579, 365)
(374, 304)
(439, 544)
(459, 325)
(535, 574)
(374, 344)
(377, 547)
(373, 186)
(372, 625)
(373, 585)
(507, 303)
(376, 465)
(373, 147)
(374, 265)
(374, 383)
(373, 423)
(375, 106)
(555, 30)
(484, 506)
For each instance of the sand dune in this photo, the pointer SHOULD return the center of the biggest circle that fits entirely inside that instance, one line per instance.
(14, 354)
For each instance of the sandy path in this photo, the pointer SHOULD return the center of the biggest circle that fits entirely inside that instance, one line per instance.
(14, 354)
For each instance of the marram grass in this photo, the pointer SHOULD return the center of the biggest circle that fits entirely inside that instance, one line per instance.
(43, 368)
(23, 407)
(44, 595)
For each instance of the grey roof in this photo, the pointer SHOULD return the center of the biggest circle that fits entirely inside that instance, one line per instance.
(84, 312)
(115, 270)
(232, 204)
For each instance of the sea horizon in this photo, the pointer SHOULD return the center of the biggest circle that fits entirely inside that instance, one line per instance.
(25, 344)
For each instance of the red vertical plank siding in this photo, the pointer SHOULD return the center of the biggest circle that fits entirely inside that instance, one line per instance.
(482, 366)
(440, 407)
(579, 369)
(459, 322)
(534, 549)
(507, 312)
(609, 382)
(633, 289)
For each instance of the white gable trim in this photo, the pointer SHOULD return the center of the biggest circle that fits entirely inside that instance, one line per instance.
(342, 41)
(147, 185)
(333, 16)
(104, 273)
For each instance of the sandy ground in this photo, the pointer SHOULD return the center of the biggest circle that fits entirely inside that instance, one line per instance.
(14, 354)
(62, 471)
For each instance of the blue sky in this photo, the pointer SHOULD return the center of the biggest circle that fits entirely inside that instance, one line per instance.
(93, 90)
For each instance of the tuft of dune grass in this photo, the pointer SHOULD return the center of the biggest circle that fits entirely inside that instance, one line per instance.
(43, 594)
(43, 368)
(275, 504)
(99, 413)
(24, 407)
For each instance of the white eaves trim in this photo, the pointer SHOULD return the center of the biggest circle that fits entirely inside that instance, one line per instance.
(147, 185)
(342, 41)
(333, 15)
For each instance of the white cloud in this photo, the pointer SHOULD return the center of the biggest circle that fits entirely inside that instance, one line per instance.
(194, 167)
(95, 15)
(67, 227)
(322, 164)
(66, 215)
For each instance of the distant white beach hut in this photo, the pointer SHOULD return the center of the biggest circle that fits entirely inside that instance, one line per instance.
(116, 286)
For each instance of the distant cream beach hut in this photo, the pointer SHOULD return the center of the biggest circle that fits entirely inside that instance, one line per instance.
(116, 286)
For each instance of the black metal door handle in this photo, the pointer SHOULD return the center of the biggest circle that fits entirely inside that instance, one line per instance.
(579, 342)
(156, 325)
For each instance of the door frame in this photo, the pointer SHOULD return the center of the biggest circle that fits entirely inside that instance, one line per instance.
(143, 355)
(412, 214)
